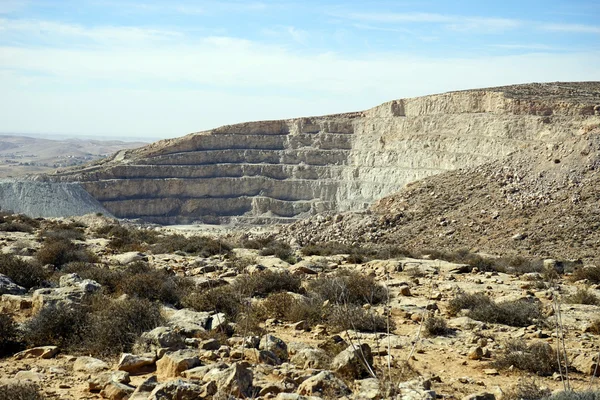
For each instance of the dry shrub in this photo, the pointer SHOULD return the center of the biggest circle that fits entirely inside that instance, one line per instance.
(15, 227)
(279, 249)
(23, 273)
(482, 308)
(278, 305)
(326, 249)
(591, 273)
(572, 395)
(595, 327)
(356, 318)
(127, 239)
(8, 335)
(20, 391)
(347, 287)
(265, 282)
(62, 251)
(101, 327)
(110, 279)
(527, 390)
(223, 299)
(63, 233)
(583, 296)
(538, 357)
(436, 326)
(62, 326)
(201, 246)
(113, 326)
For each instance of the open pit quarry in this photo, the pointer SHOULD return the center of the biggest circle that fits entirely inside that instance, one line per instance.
(282, 171)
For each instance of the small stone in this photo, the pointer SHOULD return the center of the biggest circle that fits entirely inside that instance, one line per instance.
(475, 353)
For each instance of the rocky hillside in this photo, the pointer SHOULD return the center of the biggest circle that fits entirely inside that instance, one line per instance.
(542, 201)
(279, 171)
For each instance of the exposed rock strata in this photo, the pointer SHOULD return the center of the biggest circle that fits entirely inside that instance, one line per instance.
(283, 170)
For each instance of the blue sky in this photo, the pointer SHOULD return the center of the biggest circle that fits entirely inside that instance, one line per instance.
(153, 69)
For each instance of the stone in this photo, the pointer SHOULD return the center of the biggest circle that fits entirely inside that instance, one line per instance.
(310, 358)
(162, 337)
(480, 396)
(209, 344)
(404, 290)
(135, 364)
(325, 382)
(43, 352)
(354, 362)
(129, 257)
(172, 364)
(275, 345)
(586, 364)
(418, 389)
(236, 380)
(475, 353)
(189, 322)
(294, 396)
(97, 382)
(10, 303)
(31, 376)
(89, 365)
(72, 290)
(143, 390)
(368, 389)
(116, 391)
(177, 390)
(7, 286)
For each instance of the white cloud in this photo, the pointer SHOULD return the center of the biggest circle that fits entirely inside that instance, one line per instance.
(571, 28)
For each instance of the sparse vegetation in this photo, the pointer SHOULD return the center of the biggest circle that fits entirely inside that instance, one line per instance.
(538, 357)
(590, 273)
(24, 273)
(347, 287)
(528, 390)
(482, 308)
(436, 326)
(201, 246)
(125, 239)
(8, 335)
(61, 251)
(583, 296)
(20, 391)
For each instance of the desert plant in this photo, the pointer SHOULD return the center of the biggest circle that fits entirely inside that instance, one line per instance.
(58, 325)
(595, 326)
(326, 249)
(538, 358)
(278, 305)
(58, 252)
(357, 318)
(435, 326)
(8, 335)
(143, 281)
(24, 273)
(63, 233)
(20, 391)
(114, 326)
(591, 273)
(266, 282)
(110, 279)
(223, 299)
(527, 390)
(572, 395)
(583, 296)
(279, 249)
(201, 246)
(347, 287)
(482, 308)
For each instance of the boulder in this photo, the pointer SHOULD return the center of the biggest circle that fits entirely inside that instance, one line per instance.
(129, 257)
(324, 382)
(72, 290)
(162, 337)
(89, 365)
(189, 322)
(97, 382)
(355, 362)
(480, 396)
(172, 364)
(135, 364)
(275, 345)
(7, 286)
(43, 352)
(418, 389)
(586, 364)
(310, 358)
(177, 390)
(116, 391)
(237, 380)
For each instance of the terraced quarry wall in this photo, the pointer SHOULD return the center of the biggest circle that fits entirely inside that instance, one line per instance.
(277, 171)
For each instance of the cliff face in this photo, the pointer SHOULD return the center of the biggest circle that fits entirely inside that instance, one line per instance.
(277, 171)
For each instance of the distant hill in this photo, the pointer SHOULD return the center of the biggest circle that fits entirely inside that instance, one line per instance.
(22, 155)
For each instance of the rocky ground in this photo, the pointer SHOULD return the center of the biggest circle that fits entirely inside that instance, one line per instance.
(540, 202)
(258, 319)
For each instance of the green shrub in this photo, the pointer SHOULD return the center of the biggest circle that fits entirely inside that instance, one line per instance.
(201, 246)
(482, 308)
(23, 273)
(538, 358)
(20, 391)
(347, 287)
(583, 296)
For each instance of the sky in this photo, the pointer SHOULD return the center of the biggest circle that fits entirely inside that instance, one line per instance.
(153, 69)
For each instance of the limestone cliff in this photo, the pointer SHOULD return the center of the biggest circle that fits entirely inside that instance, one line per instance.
(277, 171)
